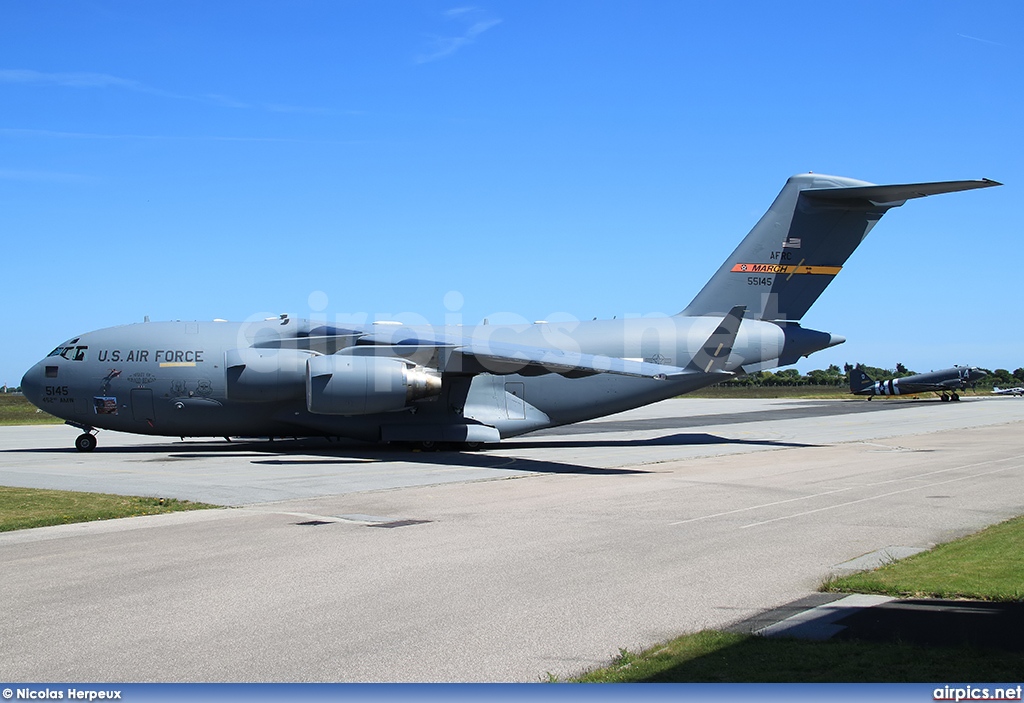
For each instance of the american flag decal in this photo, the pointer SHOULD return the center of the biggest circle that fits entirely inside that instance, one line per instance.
(791, 243)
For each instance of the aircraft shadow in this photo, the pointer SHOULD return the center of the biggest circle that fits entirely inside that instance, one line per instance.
(317, 451)
(299, 454)
(473, 460)
(676, 440)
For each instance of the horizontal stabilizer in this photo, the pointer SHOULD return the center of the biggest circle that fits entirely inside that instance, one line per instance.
(895, 193)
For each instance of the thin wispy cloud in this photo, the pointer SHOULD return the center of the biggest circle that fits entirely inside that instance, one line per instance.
(474, 22)
(305, 110)
(226, 101)
(11, 174)
(979, 39)
(54, 134)
(81, 80)
(85, 80)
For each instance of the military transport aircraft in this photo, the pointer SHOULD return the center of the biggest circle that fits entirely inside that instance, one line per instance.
(465, 386)
(946, 382)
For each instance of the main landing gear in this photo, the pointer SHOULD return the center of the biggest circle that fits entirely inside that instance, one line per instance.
(947, 397)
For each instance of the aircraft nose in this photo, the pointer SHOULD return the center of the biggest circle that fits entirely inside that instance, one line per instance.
(32, 384)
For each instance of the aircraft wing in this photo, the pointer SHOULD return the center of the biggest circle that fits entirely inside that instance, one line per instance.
(514, 358)
(471, 356)
(453, 354)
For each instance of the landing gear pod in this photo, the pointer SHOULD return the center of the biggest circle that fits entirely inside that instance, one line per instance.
(265, 375)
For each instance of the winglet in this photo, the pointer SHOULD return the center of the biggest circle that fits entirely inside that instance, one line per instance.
(715, 351)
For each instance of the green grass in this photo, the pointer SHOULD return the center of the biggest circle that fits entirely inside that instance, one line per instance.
(22, 508)
(988, 565)
(16, 410)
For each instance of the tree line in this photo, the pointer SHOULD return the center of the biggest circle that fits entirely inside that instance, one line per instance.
(834, 376)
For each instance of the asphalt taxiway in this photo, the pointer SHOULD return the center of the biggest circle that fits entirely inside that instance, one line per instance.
(545, 555)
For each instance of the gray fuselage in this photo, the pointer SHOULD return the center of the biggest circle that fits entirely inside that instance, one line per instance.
(171, 378)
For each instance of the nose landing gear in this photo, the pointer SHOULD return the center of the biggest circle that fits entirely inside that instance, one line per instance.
(85, 442)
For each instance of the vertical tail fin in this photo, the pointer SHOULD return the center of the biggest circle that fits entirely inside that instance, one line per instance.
(712, 356)
(860, 382)
(802, 242)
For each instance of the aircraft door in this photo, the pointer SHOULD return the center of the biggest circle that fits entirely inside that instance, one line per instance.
(515, 401)
(142, 404)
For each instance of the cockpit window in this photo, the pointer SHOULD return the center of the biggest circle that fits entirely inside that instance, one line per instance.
(70, 353)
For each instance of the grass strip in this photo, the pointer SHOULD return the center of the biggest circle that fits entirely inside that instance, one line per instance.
(988, 565)
(22, 508)
(16, 410)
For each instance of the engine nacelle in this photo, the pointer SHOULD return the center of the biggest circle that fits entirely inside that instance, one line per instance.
(266, 375)
(342, 384)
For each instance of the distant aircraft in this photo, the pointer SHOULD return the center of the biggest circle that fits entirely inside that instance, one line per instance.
(468, 385)
(947, 382)
(1018, 390)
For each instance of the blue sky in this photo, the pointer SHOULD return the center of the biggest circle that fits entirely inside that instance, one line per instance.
(439, 161)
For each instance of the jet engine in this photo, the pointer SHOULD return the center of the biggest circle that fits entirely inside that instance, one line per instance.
(344, 384)
(266, 375)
